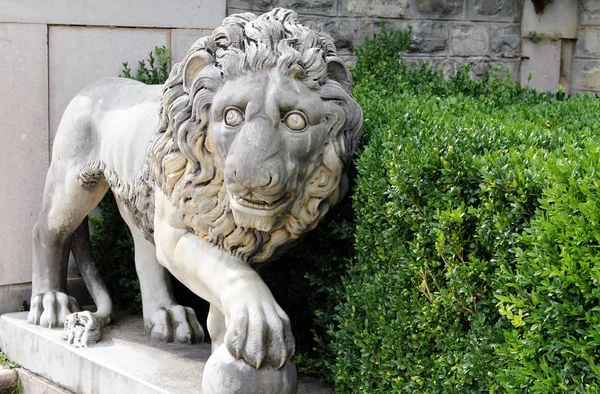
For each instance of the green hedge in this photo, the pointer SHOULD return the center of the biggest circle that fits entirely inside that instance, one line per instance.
(476, 237)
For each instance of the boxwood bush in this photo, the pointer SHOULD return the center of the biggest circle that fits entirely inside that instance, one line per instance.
(476, 237)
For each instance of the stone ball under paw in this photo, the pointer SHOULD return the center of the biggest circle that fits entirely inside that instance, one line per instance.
(223, 374)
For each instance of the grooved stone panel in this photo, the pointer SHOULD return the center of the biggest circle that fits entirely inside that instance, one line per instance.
(140, 13)
(82, 55)
(24, 142)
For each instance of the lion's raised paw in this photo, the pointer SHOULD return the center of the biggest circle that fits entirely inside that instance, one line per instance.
(50, 309)
(176, 323)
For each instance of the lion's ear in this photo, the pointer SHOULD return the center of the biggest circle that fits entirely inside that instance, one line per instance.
(193, 66)
(337, 71)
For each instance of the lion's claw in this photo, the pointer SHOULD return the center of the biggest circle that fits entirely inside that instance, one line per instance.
(260, 336)
(51, 308)
(176, 323)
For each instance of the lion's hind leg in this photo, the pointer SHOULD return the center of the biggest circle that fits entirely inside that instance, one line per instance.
(65, 205)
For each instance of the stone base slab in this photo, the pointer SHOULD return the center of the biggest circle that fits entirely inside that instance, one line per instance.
(34, 384)
(124, 361)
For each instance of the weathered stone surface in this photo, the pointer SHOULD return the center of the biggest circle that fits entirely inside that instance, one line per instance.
(506, 40)
(512, 65)
(34, 384)
(16, 296)
(429, 37)
(223, 374)
(313, 7)
(8, 379)
(495, 10)
(379, 8)
(566, 60)
(367, 27)
(440, 9)
(111, 47)
(542, 61)
(588, 44)
(182, 40)
(126, 362)
(24, 140)
(142, 13)
(559, 20)
(250, 5)
(590, 12)
(585, 75)
(341, 30)
(478, 66)
(469, 40)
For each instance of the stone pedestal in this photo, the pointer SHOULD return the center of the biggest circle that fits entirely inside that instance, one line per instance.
(125, 361)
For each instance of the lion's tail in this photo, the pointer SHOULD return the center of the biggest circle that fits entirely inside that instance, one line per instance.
(91, 175)
(81, 247)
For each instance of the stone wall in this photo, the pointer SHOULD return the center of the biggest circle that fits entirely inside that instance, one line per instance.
(585, 69)
(448, 33)
(50, 51)
(481, 33)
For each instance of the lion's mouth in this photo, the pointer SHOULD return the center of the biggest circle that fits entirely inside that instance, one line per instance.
(260, 205)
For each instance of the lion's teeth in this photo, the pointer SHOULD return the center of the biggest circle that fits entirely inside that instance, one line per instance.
(255, 205)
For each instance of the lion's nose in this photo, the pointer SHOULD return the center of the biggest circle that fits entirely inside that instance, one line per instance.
(253, 178)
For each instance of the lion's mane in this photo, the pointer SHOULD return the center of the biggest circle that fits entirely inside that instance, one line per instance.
(187, 168)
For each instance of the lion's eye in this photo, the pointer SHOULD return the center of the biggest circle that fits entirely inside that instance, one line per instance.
(233, 117)
(295, 121)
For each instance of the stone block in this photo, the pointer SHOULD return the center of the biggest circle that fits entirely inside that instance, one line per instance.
(125, 361)
(24, 140)
(256, 6)
(506, 40)
(440, 9)
(478, 66)
(34, 384)
(566, 61)
(588, 44)
(367, 27)
(310, 7)
(585, 75)
(559, 19)
(542, 60)
(429, 38)
(8, 379)
(81, 55)
(182, 40)
(495, 10)
(135, 13)
(469, 40)
(379, 8)
(590, 12)
(341, 30)
(507, 67)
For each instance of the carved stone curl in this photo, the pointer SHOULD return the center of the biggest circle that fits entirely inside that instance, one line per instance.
(241, 152)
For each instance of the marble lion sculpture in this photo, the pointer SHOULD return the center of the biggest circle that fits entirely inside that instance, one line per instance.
(242, 151)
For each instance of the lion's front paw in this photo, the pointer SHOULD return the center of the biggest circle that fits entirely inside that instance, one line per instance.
(260, 332)
(51, 308)
(176, 323)
(82, 329)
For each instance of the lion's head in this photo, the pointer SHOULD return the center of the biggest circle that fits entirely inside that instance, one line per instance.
(257, 128)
